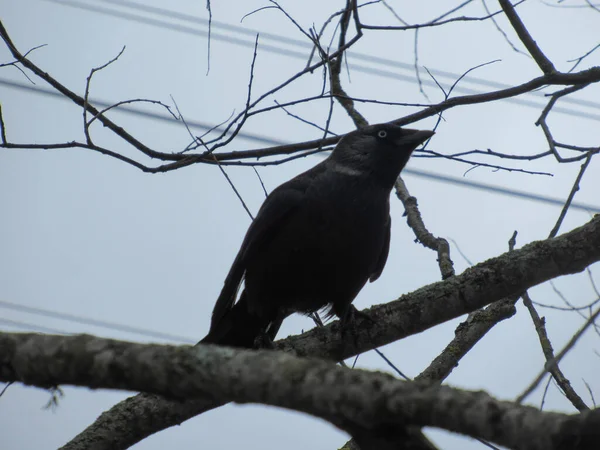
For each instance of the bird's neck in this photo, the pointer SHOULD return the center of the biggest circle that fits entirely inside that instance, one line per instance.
(383, 175)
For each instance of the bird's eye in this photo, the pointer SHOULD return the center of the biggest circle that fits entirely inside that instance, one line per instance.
(382, 134)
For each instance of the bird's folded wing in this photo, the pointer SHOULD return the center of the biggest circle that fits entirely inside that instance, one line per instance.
(385, 250)
(275, 211)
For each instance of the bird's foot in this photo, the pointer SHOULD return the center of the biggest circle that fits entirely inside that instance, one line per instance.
(355, 313)
(349, 329)
(264, 341)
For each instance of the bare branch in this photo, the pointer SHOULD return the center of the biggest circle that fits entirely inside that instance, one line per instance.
(180, 160)
(4, 389)
(574, 190)
(238, 195)
(415, 222)
(130, 101)
(557, 374)
(542, 61)
(550, 365)
(208, 40)
(86, 125)
(501, 31)
(581, 58)
(77, 99)
(468, 333)
(308, 122)
(478, 286)
(335, 70)
(436, 22)
(348, 398)
(15, 63)
(543, 123)
(2, 128)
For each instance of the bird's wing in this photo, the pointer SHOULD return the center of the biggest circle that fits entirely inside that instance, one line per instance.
(275, 211)
(385, 250)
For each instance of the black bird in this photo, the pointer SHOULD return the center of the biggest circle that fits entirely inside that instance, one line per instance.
(316, 239)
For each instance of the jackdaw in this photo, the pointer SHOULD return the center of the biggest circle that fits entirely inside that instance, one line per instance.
(316, 239)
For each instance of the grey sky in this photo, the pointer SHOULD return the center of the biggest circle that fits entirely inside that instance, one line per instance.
(87, 235)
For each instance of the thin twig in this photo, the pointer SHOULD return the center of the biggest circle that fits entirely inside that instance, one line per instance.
(546, 388)
(581, 58)
(243, 116)
(501, 31)
(551, 364)
(233, 187)
(335, 70)
(543, 123)
(391, 364)
(308, 122)
(539, 323)
(435, 22)
(14, 63)
(416, 65)
(130, 101)
(86, 125)
(6, 387)
(561, 380)
(2, 127)
(208, 8)
(574, 190)
(261, 181)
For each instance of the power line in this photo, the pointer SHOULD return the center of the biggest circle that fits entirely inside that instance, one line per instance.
(501, 190)
(272, 141)
(95, 322)
(251, 33)
(306, 47)
(138, 112)
(30, 327)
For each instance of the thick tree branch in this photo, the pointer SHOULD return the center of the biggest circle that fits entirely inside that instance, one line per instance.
(534, 50)
(469, 332)
(345, 397)
(487, 282)
(466, 336)
(513, 272)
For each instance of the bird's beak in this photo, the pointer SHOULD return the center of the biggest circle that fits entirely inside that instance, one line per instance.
(414, 137)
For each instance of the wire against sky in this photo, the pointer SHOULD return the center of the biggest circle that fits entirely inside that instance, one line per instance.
(272, 141)
(94, 322)
(30, 326)
(275, 47)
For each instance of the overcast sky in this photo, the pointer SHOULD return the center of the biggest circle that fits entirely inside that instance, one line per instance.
(91, 237)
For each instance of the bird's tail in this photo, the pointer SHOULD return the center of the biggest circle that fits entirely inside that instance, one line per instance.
(237, 328)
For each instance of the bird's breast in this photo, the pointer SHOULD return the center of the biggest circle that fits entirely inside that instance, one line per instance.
(324, 252)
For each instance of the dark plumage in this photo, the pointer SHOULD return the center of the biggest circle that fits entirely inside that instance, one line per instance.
(317, 238)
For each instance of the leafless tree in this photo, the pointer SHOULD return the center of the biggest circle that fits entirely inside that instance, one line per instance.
(377, 410)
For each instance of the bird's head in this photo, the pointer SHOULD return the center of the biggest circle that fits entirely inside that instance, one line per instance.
(380, 151)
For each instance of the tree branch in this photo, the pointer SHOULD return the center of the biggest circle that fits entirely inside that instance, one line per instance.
(534, 50)
(347, 398)
(554, 369)
(422, 234)
(179, 160)
(480, 285)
